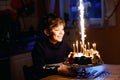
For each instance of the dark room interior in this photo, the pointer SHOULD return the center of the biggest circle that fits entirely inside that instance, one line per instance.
(20, 29)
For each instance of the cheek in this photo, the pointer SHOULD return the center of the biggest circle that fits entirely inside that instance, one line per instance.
(56, 35)
(63, 32)
(53, 36)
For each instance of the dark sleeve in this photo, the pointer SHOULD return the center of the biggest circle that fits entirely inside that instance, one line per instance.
(39, 62)
(38, 56)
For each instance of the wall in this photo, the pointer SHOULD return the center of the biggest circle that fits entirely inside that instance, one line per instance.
(16, 65)
(108, 40)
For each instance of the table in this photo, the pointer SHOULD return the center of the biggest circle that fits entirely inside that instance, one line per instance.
(112, 69)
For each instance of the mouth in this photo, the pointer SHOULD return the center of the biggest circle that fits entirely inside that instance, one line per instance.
(60, 36)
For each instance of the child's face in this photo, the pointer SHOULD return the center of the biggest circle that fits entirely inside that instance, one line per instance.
(56, 34)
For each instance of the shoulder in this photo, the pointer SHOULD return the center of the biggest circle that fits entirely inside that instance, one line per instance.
(40, 42)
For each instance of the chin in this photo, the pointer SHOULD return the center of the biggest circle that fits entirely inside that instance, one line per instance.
(60, 40)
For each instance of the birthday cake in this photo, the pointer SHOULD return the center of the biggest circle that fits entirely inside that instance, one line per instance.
(85, 56)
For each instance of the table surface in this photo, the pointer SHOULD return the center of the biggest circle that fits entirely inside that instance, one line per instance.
(113, 73)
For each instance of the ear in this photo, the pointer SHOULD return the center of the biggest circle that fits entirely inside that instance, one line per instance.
(46, 32)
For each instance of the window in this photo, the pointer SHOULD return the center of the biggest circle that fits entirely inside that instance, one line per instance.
(93, 11)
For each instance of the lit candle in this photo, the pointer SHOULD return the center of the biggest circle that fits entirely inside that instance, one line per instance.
(85, 49)
(94, 46)
(85, 46)
(80, 46)
(88, 45)
(77, 46)
(73, 47)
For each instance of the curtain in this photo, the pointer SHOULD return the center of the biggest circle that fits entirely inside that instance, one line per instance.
(57, 8)
(42, 6)
(109, 9)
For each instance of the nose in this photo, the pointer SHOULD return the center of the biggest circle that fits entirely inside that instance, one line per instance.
(62, 32)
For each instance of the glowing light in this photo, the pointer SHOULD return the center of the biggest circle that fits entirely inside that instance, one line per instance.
(81, 8)
(94, 46)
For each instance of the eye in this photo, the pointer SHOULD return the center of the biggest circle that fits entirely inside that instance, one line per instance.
(56, 30)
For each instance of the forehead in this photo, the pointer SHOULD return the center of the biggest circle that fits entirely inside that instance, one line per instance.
(60, 26)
